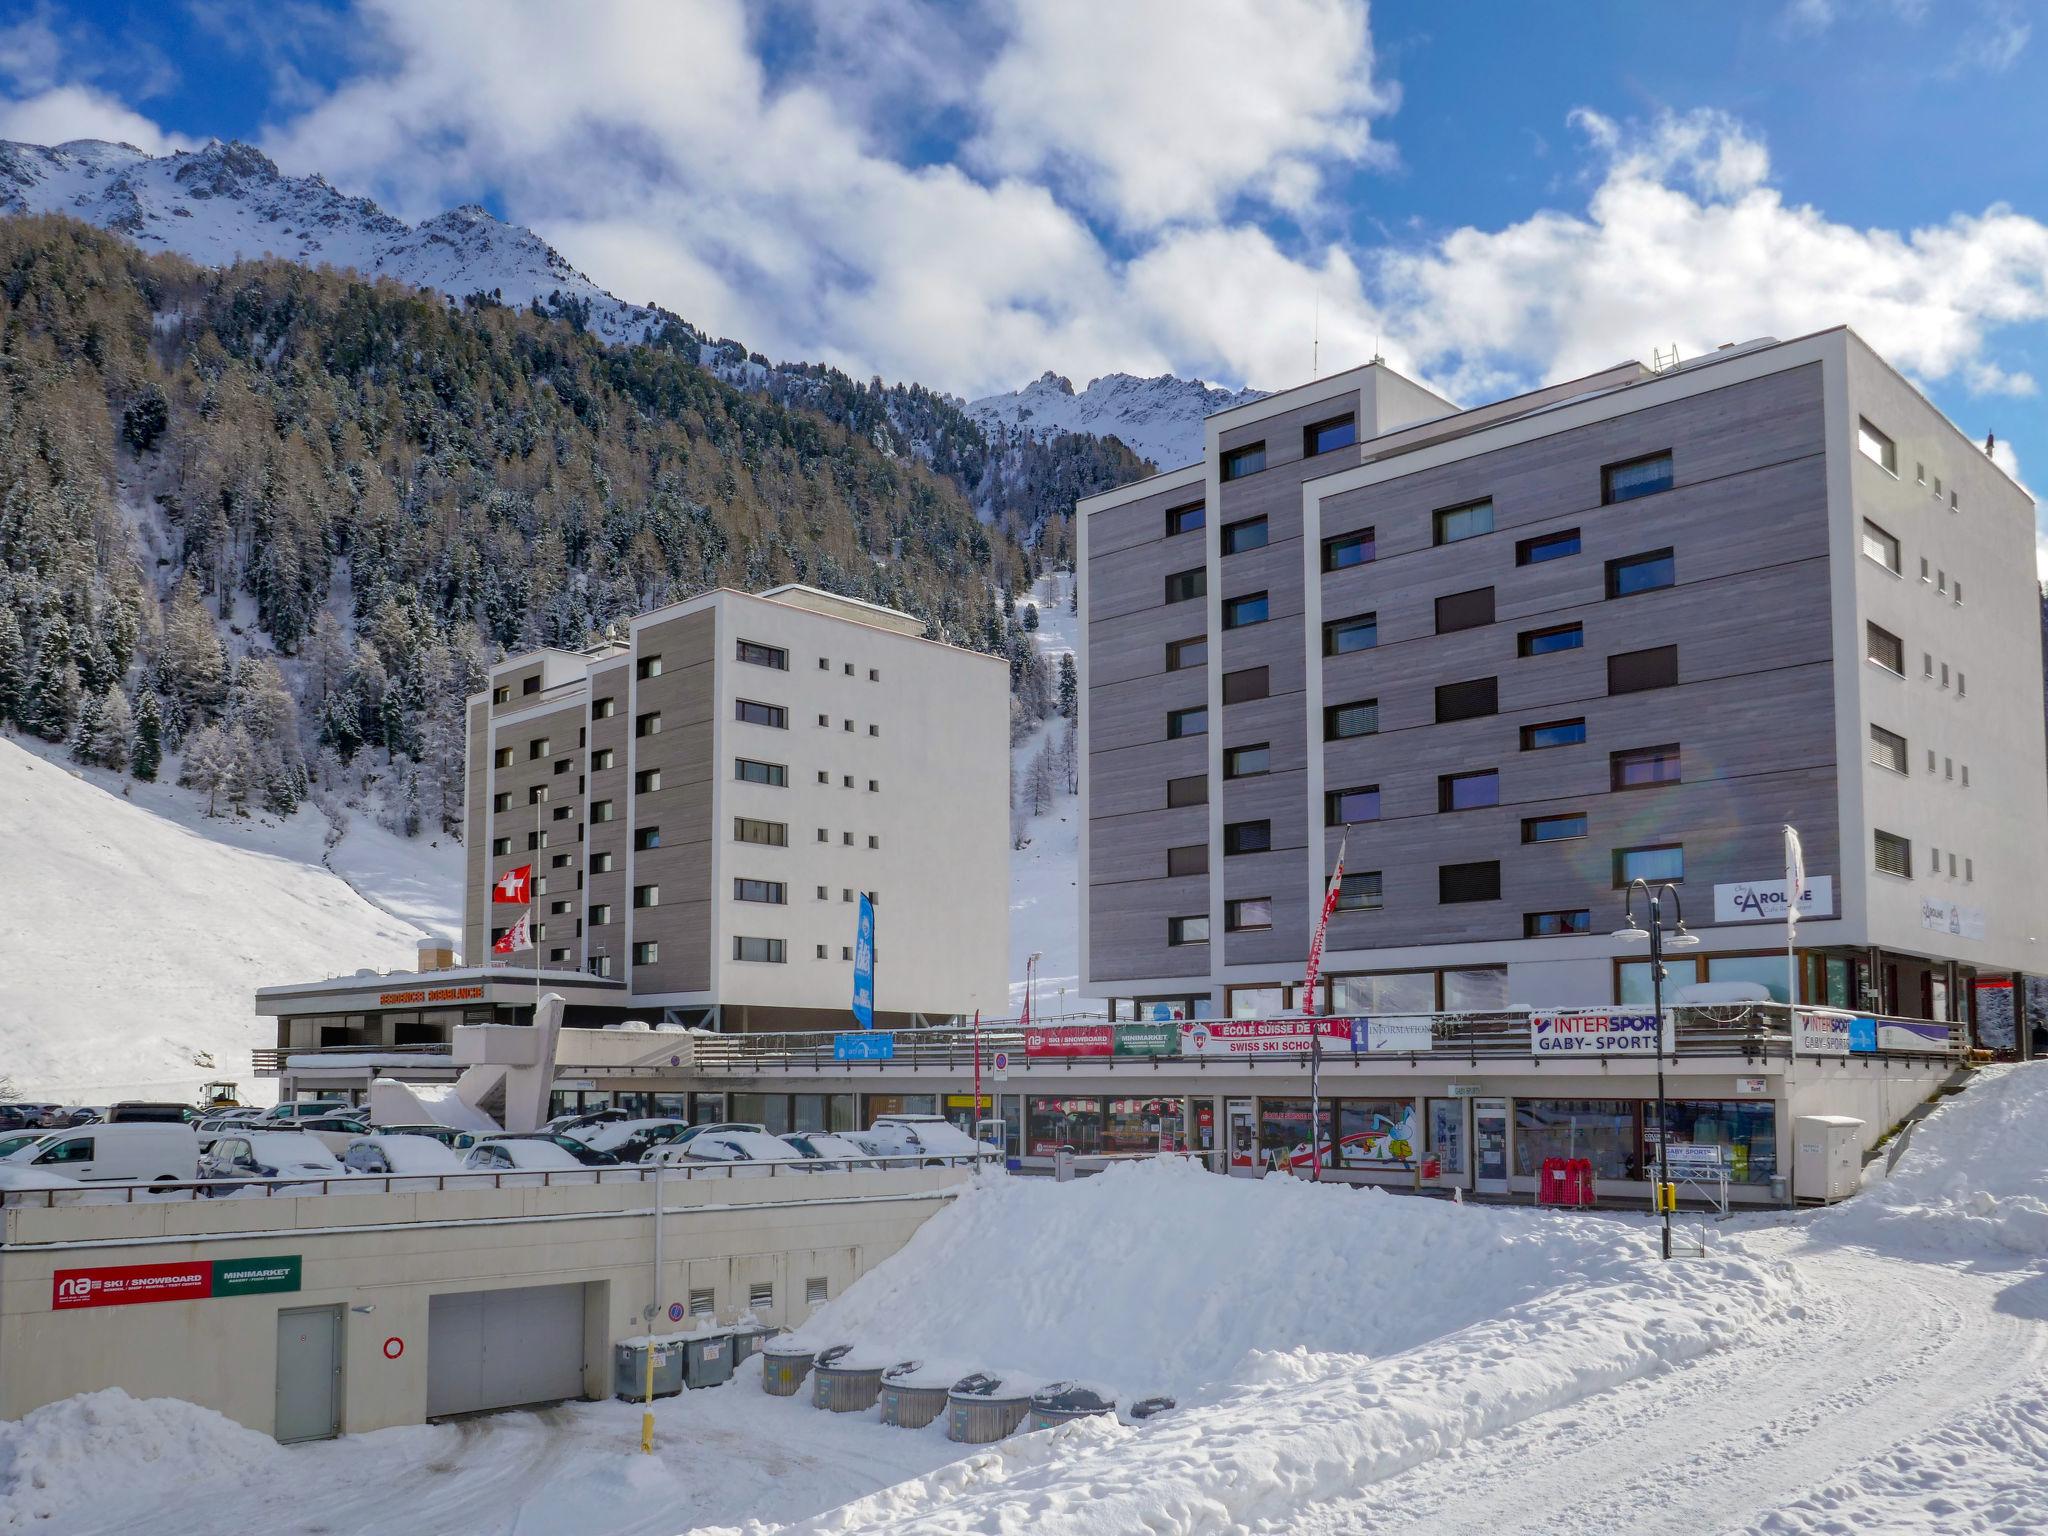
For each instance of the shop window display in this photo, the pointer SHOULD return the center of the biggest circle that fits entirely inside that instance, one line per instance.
(1607, 1132)
(1746, 1132)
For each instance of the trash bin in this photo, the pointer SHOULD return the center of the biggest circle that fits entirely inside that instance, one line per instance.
(629, 1368)
(707, 1359)
(784, 1365)
(1062, 1164)
(982, 1408)
(914, 1393)
(1065, 1401)
(747, 1340)
(1150, 1407)
(846, 1379)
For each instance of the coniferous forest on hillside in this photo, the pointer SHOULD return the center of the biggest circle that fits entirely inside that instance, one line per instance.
(271, 524)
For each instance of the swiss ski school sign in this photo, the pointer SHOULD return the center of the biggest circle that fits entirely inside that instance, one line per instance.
(1594, 1033)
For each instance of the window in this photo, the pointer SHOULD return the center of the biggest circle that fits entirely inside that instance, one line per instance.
(1655, 863)
(1247, 837)
(646, 896)
(1248, 460)
(529, 685)
(1641, 767)
(1248, 913)
(874, 841)
(1192, 790)
(1342, 807)
(1242, 612)
(766, 951)
(1359, 892)
(536, 749)
(501, 695)
(646, 781)
(874, 730)
(1478, 881)
(1184, 519)
(1344, 550)
(824, 836)
(824, 664)
(1468, 791)
(1183, 586)
(1187, 722)
(1561, 827)
(1884, 648)
(1247, 761)
(1637, 671)
(645, 838)
(1966, 775)
(564, 812)
(764, 655)
(1877, 448)
(1182, 654)
(648, 724)
(1189, 859)
(601, 810)
(1341, 722)
(1969, 870)
(774, 892)
(603, 758)
(604, 709)
(1464, 610)
(1887, 749)
(874, 674)
(1880, 546)
(1547, 546)
(1894, 855)
(1245, 686)
(537, 795)
(1553, 925)
(748, 771)
(1958, 596)
(502, 801)
(1636, 477)
(1542, 642)
(752, 713)
(648, 666)
(1187, 930)
(1361, 632)
(1468, 700)
(1238, 538)
(600, 863)
(556, 956)
(1944, 674)
(1553, 733)
(501, 845)
(874, 786)
(646, 952)
(502, 758)
(1326, 436)
(600, 914)
(1467, 522)
(1641, 573)
(536, 840)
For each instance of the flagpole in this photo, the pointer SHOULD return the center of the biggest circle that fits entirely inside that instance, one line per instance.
(1309, 1009)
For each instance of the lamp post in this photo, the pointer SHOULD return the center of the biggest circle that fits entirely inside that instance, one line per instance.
(1680, 939)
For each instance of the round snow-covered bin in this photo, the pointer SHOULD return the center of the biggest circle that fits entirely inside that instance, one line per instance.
(1065, 1401)
(914, 1393)
(845, 1379)
(784, 1365)
(982, 1408)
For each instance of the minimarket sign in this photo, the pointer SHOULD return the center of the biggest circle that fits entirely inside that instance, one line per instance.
(123, 1285)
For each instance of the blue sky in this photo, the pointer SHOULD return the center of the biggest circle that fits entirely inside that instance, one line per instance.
(970, 193)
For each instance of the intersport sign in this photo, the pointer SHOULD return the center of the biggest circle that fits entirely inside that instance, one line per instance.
(1594, 1034)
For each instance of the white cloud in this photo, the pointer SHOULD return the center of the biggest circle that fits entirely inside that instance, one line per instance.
(80, 112)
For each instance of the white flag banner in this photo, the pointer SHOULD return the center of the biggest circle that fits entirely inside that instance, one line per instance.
(1795, 876)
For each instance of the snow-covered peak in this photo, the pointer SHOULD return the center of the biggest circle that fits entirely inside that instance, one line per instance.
(1160, 418)
(229, 201)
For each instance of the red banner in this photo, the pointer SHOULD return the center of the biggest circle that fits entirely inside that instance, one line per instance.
(123, 1284)
(1070, 1040)
(1260, 1037)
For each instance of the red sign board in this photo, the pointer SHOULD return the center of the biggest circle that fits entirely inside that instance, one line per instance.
(1070, 1040)
(1261, 1037)
(122, 1284)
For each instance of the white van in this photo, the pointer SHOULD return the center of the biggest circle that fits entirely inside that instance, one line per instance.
(150, 1150)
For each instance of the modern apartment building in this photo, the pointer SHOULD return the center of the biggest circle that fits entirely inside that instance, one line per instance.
(703, 803)
(1519, 655)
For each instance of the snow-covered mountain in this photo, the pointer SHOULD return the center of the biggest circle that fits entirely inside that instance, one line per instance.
(1160, 418)
(230, 201)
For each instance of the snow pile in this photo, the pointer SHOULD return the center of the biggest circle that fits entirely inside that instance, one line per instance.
(63, 1454)
(1972, 1178)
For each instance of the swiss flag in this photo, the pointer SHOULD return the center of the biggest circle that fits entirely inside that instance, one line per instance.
(518, 936)
(514, 887)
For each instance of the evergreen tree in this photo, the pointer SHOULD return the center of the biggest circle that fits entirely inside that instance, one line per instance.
(86, 729)
(1031, 616)
(52, 703)
(13, 667)
(1069, 685)
(147, 755)
(113, 730)
(193, 664)
(209, 765)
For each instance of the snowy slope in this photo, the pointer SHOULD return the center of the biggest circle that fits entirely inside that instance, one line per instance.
(140, 930)
(229, 201)
(1159, 418)
(1045, 897)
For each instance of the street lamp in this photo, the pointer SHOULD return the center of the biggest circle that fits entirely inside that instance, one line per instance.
(1633, 932)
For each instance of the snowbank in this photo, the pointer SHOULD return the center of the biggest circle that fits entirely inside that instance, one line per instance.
(62, 1455)
(1973, 1178)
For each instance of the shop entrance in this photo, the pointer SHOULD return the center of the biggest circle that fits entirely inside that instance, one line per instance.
(1244, 1139)
(1447, 1141)
(1490, 1146)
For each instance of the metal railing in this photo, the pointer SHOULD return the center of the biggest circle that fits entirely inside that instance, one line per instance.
(269, 1060)
(132, 1192)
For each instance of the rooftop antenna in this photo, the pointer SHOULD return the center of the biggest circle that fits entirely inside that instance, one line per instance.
(1376, 349)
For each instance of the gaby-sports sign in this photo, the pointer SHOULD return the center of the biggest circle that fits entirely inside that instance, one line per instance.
(123, 1285)
(1593, 1034)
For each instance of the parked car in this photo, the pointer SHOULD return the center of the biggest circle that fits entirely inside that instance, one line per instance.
(530, 1157)
(628, 1140)
(305, 1109)
(583, 1117)
(148, 1150)
(743, 1153)
(719, 1128)
(589, 1156)
(385, 1153)
(12, 1142)
(927, 1136)
(267, 1154)
(334, 1132)
(447, 1135)
(138, 1111)
(827, 1153)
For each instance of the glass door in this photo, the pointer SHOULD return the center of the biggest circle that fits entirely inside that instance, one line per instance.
(1490, 1146)
(1447, 1140)
(1244, 1140)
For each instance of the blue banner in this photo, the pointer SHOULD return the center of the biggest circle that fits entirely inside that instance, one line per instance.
(864, 965)
(1862, 1035)
(877, 1046)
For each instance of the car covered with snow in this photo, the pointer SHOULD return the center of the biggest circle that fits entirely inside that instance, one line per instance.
(924, 1137)
(628, 1140)
(400, 1154)
(335, 1132)
(304, 1109)
(268, 1154)
(753, 1153)
(527, 1160)
(449, 1136)
(825, 1152)
(582, 1152)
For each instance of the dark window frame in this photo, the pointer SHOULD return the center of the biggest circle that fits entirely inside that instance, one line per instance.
(1180, 520)
(1460, 620)
(1533, 837)
(1331, 713)
(1194, 584)
(1233, 605)
(1642, 661)
(1236, 833)
(1530, 744)
(1230, 465)
(1175, 662)
(1619, 762)
(1527, 642)
(1333, 805)
(1608, 498)
(1231, 771)
(1311, 444)
(1621, 564)
(1178, 720)
(1233, 909)
(1474, 870)
(1622, 878)
(1447, 692)
(1537, 548)
(1364, 539)
(1438, 521)
(1230, 535)
(1447, 790)
(1332, 628)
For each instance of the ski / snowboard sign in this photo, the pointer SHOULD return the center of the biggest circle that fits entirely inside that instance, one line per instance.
(124, 1284)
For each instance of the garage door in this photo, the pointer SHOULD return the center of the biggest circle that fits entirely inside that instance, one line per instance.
(504, 1349)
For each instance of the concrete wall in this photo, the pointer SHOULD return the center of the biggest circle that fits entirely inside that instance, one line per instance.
(393, 1252)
